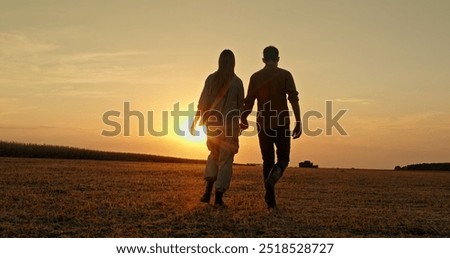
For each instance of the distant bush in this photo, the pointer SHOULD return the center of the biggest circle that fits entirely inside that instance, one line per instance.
(26, 150)
(426, 166)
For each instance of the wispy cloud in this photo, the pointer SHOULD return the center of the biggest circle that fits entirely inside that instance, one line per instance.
(86, 93)
(423, 121)
(26, 61)
(84, 57)
(354, 100)
(14, 45)
(13, 106)
(43, 127)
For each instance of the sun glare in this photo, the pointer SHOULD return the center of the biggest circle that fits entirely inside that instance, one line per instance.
(200, 138)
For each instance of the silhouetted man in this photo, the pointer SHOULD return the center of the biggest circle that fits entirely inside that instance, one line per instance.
(270, 86)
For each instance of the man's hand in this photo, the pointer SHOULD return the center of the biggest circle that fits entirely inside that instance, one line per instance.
(297, 130)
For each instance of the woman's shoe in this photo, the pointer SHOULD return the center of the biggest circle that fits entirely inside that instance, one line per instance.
(208, 189)
(218, 202)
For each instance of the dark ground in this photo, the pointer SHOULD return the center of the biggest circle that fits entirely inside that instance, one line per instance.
(78, 198)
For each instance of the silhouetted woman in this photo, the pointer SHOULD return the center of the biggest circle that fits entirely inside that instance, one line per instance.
(219, 107)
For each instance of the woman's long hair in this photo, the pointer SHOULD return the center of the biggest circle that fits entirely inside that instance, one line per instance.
(225, 73)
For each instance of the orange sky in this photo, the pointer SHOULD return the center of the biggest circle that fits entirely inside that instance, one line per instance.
(64, 63)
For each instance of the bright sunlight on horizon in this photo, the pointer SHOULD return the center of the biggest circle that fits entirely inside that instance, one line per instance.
(64, 64)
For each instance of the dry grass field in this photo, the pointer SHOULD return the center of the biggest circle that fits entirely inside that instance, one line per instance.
(73, 198)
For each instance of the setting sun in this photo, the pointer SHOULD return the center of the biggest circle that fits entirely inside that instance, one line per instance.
(199, 139)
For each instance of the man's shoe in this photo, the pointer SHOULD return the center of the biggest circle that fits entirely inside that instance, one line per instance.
(270, 197)
(206, 197)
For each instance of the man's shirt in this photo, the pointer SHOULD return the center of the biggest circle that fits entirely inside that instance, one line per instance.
(272, 87)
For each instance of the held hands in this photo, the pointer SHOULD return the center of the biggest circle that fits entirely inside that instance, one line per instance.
(297, 130)
(243, 125)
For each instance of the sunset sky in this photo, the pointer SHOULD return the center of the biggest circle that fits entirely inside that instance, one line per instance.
(65, 63)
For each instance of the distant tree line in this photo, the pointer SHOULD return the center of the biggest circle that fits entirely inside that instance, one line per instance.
(426, 166)
(27, 150)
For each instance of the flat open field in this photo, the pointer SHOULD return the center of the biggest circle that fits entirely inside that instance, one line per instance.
(73, 198)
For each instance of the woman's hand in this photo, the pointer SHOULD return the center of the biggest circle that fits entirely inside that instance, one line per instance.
(192, 129)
